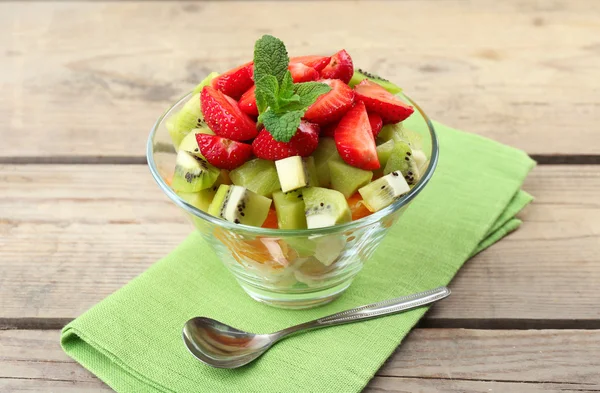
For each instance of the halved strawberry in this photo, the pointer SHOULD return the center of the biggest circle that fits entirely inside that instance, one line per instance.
(223, 153)
(303, 143)
(247, 102)
(379, 100)
(331, 106)
(354, 139)
(303, 73)
(224, 117)
(376, 123)
(236, 81)
(316, 62)
(339, 67)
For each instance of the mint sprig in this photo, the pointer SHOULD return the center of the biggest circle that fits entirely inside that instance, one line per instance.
(281, 102)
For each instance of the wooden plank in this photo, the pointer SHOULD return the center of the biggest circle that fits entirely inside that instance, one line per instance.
(93, 83)
(95, 227)
(430, 360)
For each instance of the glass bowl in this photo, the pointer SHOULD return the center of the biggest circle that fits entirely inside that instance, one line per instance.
(292, 269)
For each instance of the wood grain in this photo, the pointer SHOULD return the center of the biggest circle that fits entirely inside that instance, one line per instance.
(90, 78)
(430, 360)
(71, 235)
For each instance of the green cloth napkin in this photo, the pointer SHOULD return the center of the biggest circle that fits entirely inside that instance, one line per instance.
(132, 339)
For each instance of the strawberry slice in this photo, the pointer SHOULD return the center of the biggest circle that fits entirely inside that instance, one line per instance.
(376, 123)
(303, 143)
(331, 106)
(236, 81)
(303, 73)
(379, 100)
(354, 139)
(223, 153)
(316, 62)
(224, 117)
(328, 130)
(339, 67)
(247, 102)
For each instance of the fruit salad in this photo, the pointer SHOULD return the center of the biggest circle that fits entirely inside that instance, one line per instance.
(294, 143)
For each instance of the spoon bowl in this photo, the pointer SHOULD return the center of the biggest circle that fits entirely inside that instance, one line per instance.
(223, 346)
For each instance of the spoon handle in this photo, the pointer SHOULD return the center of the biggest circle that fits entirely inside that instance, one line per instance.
(386, 307)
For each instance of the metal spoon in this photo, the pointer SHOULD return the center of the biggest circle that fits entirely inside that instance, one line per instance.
(220, 345)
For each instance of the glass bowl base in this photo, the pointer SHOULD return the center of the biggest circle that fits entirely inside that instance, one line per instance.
(296, 301)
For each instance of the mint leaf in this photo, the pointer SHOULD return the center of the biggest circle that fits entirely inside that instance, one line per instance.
(270, 58)
(286, 88)
(310, 91)
(267, 93)
(282, 126)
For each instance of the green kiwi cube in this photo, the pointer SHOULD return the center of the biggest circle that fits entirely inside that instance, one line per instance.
(389, 132)
(325, 207)
(193, 173)
(313, 176)
(383, 191)
(257, 175)
(188, 118)
(290, 209)
(239, 205)
(346, 178)
(324, 152)
(360, 75)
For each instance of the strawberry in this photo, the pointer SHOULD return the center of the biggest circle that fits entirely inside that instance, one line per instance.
(376, 123)
(303, 143)
(331, 106)
(236, 81)
(247, 102)
(316, 62)
(379, 100)
(339, 67)
(303, 73)
(224, 117)
(354, 139)
(328, 130)
(223, 153)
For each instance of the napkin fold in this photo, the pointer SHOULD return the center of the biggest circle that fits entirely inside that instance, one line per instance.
(132, 339)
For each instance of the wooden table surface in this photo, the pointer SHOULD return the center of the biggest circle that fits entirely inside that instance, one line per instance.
(82, 83)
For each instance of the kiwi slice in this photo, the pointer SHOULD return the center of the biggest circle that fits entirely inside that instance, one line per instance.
(187, 119)
(325, 151)
(203, 198)
(259, 176)
(401, 160)
(420, 159)
(347, 179)
(240, 205)
(383, 191)
(189, 142)
(360, 75)
(193, 173)
(325, 207)
(290, 209)
(311, 168)
(205, 82)
(389, 132)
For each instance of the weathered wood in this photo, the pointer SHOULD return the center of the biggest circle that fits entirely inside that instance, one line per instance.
(94, 83)
(430, 360)
(95, 227)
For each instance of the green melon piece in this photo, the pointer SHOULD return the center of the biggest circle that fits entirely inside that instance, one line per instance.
(360, 75)
(325, 207)
(193, 173)
(205, 82)
(257, 175)
(325, 152)
(290, 209)
(240, 205)
(346, 178)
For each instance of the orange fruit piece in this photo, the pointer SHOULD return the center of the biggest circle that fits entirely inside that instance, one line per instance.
(271, 221)
(357, 207)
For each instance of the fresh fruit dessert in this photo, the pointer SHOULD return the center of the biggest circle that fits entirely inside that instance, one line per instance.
(294, 143)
